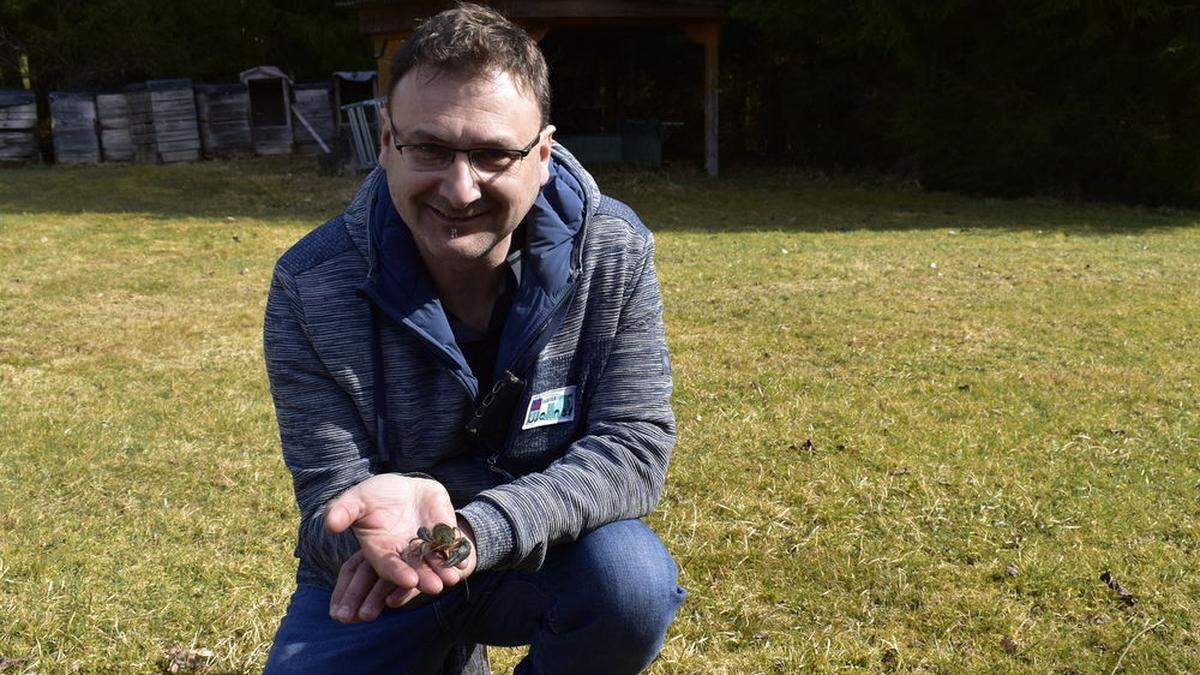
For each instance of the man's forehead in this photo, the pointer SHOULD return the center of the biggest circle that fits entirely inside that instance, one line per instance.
(428, 100)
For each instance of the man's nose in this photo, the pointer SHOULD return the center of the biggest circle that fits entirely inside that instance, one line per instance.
(459, 185)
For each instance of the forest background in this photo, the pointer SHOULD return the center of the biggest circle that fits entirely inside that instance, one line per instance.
(1091, 99)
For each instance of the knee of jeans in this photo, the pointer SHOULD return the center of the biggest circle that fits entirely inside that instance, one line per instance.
(628, 583)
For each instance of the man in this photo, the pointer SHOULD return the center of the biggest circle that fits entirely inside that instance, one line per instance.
(476, 342)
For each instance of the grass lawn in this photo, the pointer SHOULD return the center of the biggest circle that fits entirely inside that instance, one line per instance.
(914, 428)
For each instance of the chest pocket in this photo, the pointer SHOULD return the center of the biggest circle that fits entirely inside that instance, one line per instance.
(552, 412)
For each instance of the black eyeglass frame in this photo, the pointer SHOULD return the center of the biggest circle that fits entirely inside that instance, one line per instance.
(517, 155)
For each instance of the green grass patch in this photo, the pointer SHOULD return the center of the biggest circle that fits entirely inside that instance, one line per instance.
(914, 428)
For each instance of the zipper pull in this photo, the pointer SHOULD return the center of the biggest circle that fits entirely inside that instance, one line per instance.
(492, 465)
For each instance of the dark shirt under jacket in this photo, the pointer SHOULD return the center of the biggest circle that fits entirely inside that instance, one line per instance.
(480, 347)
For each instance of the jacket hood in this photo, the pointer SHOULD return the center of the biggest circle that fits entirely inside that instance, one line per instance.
(399, 285)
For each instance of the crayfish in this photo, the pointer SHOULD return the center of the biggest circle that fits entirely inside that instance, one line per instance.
(444, 541)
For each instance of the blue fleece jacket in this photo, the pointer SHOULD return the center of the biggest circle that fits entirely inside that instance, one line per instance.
(354, 326)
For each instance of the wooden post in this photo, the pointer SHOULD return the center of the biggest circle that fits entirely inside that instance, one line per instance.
(386, 47)
(708, 34)
(536, 29)
(287, 105)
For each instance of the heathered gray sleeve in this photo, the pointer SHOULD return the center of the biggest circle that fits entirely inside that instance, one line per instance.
(616, 470)
(325, 444)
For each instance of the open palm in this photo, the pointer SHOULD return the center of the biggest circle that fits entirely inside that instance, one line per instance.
(385, 512)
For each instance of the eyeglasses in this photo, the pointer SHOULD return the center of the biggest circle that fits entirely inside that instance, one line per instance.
(486, 161)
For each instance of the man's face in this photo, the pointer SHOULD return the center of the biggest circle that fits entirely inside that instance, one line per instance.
(459, 219)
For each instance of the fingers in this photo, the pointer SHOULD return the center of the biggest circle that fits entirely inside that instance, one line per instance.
(449, 575)
(400, 596)
(396, 565)
(354, 593)
(434, 576)
(345, 574)
(360, 594)
(428, 580)
(374, 602)
(344, 510)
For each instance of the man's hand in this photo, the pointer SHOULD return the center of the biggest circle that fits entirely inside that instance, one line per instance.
(385, 512)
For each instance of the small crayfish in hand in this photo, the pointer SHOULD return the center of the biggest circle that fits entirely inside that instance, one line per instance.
(443, 541)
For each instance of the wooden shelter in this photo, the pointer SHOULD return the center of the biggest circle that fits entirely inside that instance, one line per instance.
(350, 86)
(390, 22)
(270, 109)
(224, 114)
(73, 125)
(18, 125)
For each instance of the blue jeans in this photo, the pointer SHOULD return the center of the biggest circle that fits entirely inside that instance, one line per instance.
(599, 605)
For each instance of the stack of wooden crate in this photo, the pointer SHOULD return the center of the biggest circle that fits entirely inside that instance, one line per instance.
(141, 124)
(171, 121)
(73, 123)
(162, 121)
(176, 131)
(18, 126)
(116, 144)
(224, 112)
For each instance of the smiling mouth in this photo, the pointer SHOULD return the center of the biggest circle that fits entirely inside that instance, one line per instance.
(456, 218)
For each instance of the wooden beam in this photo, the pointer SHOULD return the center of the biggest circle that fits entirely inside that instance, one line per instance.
(609, 9)
(386, 47)
(287, 103)
(395, 18)
(376, 18)
(708, 34)
(311, 131)
(536, 29)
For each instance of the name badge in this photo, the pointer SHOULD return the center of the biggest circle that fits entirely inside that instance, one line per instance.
(550, 407)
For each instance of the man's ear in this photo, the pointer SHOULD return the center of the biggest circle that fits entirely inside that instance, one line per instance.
(543, 151)
(385, 136)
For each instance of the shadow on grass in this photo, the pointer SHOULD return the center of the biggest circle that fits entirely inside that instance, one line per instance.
(289, 188)
(789, 201)
(274, 188)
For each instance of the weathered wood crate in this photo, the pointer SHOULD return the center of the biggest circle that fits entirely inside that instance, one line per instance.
(116, 143)
(18, 126)
(141, 124)
(163, 126)
(314, 102)
(73, 125)
(176, 129)
(224, 114)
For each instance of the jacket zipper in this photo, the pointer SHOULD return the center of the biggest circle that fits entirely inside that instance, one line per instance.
(576, 264)
(567, 294)
(510, 378)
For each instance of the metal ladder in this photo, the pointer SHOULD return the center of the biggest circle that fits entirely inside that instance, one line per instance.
(363, 141)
